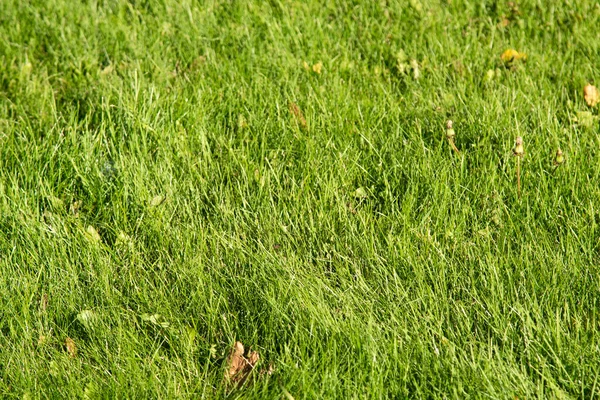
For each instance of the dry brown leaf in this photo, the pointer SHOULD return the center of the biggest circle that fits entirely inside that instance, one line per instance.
(590, 93)
(240, 367)
(236, 360)
(253, 358)
(297, 112)
(71, 347)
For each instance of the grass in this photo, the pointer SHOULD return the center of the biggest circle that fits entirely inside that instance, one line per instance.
(161, 198)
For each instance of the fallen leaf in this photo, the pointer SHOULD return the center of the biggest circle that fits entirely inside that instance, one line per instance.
(590, 93)
(240, 367)
(71, 347)
(253, 358)
(510, 56)
(237, 362)
(297, 113)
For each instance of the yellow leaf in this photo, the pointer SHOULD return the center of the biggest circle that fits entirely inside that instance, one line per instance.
(510, 56)
(317, 67)
(590, 93)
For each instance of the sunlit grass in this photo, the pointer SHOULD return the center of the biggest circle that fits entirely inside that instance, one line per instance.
(179, 176)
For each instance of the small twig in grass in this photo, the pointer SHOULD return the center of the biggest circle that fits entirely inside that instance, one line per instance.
(450, 136)
(519, 152)
(559, 158)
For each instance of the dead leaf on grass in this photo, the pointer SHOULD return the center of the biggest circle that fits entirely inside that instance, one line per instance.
(297, 112)
(239, 367)
(71, 347)
(591, 96)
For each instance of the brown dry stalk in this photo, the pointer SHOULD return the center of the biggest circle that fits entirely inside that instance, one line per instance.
(297, 113)
(71, 347)
(450, 136)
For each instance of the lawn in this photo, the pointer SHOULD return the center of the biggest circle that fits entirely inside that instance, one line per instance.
(177, 176)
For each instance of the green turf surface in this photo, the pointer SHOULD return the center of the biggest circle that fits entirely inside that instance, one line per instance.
(176, 176)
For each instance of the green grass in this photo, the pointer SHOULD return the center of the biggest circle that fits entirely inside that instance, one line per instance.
(358, 255)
